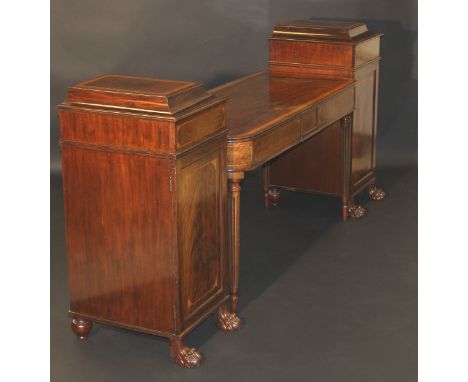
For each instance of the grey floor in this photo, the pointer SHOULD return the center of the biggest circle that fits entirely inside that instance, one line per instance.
(322, 301)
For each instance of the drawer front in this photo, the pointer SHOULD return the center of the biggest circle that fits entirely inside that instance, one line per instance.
(336, 107)
(276, 141)
(200, 127)
(308, 122)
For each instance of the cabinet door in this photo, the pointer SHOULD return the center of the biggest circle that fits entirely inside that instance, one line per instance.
(364, 125)
(201, 210)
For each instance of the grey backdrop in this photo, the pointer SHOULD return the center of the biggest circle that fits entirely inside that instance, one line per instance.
(213, 41)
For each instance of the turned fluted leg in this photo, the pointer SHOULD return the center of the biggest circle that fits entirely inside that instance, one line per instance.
(344, 209)
(266, 184)
(226, 321)
(346, 137)
(183, 355)
(375, 193)
(81, 327)
(234, 229)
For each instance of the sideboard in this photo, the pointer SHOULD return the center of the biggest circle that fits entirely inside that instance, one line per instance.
(152, 173)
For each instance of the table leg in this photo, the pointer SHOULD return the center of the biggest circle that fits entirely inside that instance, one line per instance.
(266, 184)
(271, 195)
(349, 209)
(234, 230)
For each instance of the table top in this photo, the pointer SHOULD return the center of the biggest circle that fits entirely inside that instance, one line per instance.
(260, 101)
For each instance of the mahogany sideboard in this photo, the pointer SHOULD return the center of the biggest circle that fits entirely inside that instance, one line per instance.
(151, 178)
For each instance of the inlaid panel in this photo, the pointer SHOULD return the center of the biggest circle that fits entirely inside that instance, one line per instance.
(336, 107)
(364, 123)
(200, 127)
(300, 52)
(308, 122)
(201, 185)
(277, 140)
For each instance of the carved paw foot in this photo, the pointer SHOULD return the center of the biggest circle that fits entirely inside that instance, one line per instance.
(227, 322)
(183, 355)
(356, 212)
(274, 196)
(81, 328)
(376, 193)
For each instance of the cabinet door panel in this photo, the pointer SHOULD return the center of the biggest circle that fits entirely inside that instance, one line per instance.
(364, 124)
(201, 216)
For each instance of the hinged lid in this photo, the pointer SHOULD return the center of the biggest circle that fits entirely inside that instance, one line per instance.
(138, 94)
(343, 31)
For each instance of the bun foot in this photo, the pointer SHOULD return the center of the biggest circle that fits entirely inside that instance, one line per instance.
(356, 211)
(227, 322)
(183, 355)
(273, 196)
(81, 328)
(375, 193)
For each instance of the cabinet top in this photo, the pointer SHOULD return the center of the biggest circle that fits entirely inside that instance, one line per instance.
(139, 94)
(319, 30)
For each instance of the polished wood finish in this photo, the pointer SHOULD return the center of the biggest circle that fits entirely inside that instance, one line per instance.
(321, 30)
(118, 237)
(267, 115)
(182, 354)
(152, 173)
(329, 50)
(81, 328)
(234, 236)
(227, 321)
(145, 195)
(327, 145)
(137, 93)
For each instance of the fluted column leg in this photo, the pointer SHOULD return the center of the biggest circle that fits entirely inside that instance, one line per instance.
(349, 208)
(271, 195)
(234, 230)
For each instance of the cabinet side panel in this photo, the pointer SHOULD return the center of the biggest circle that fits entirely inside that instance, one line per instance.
(364, 123)
(118, 220)
(313, 166)
(201, 182)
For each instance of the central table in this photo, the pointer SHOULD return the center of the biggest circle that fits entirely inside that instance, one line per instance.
(267, 115)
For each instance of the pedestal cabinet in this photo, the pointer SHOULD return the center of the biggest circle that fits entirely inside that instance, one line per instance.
(334, 50)
(144, 181)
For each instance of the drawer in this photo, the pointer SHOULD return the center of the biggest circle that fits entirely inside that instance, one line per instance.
(200, 127)
(277, 140)
(336, 107)
(308, 122)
